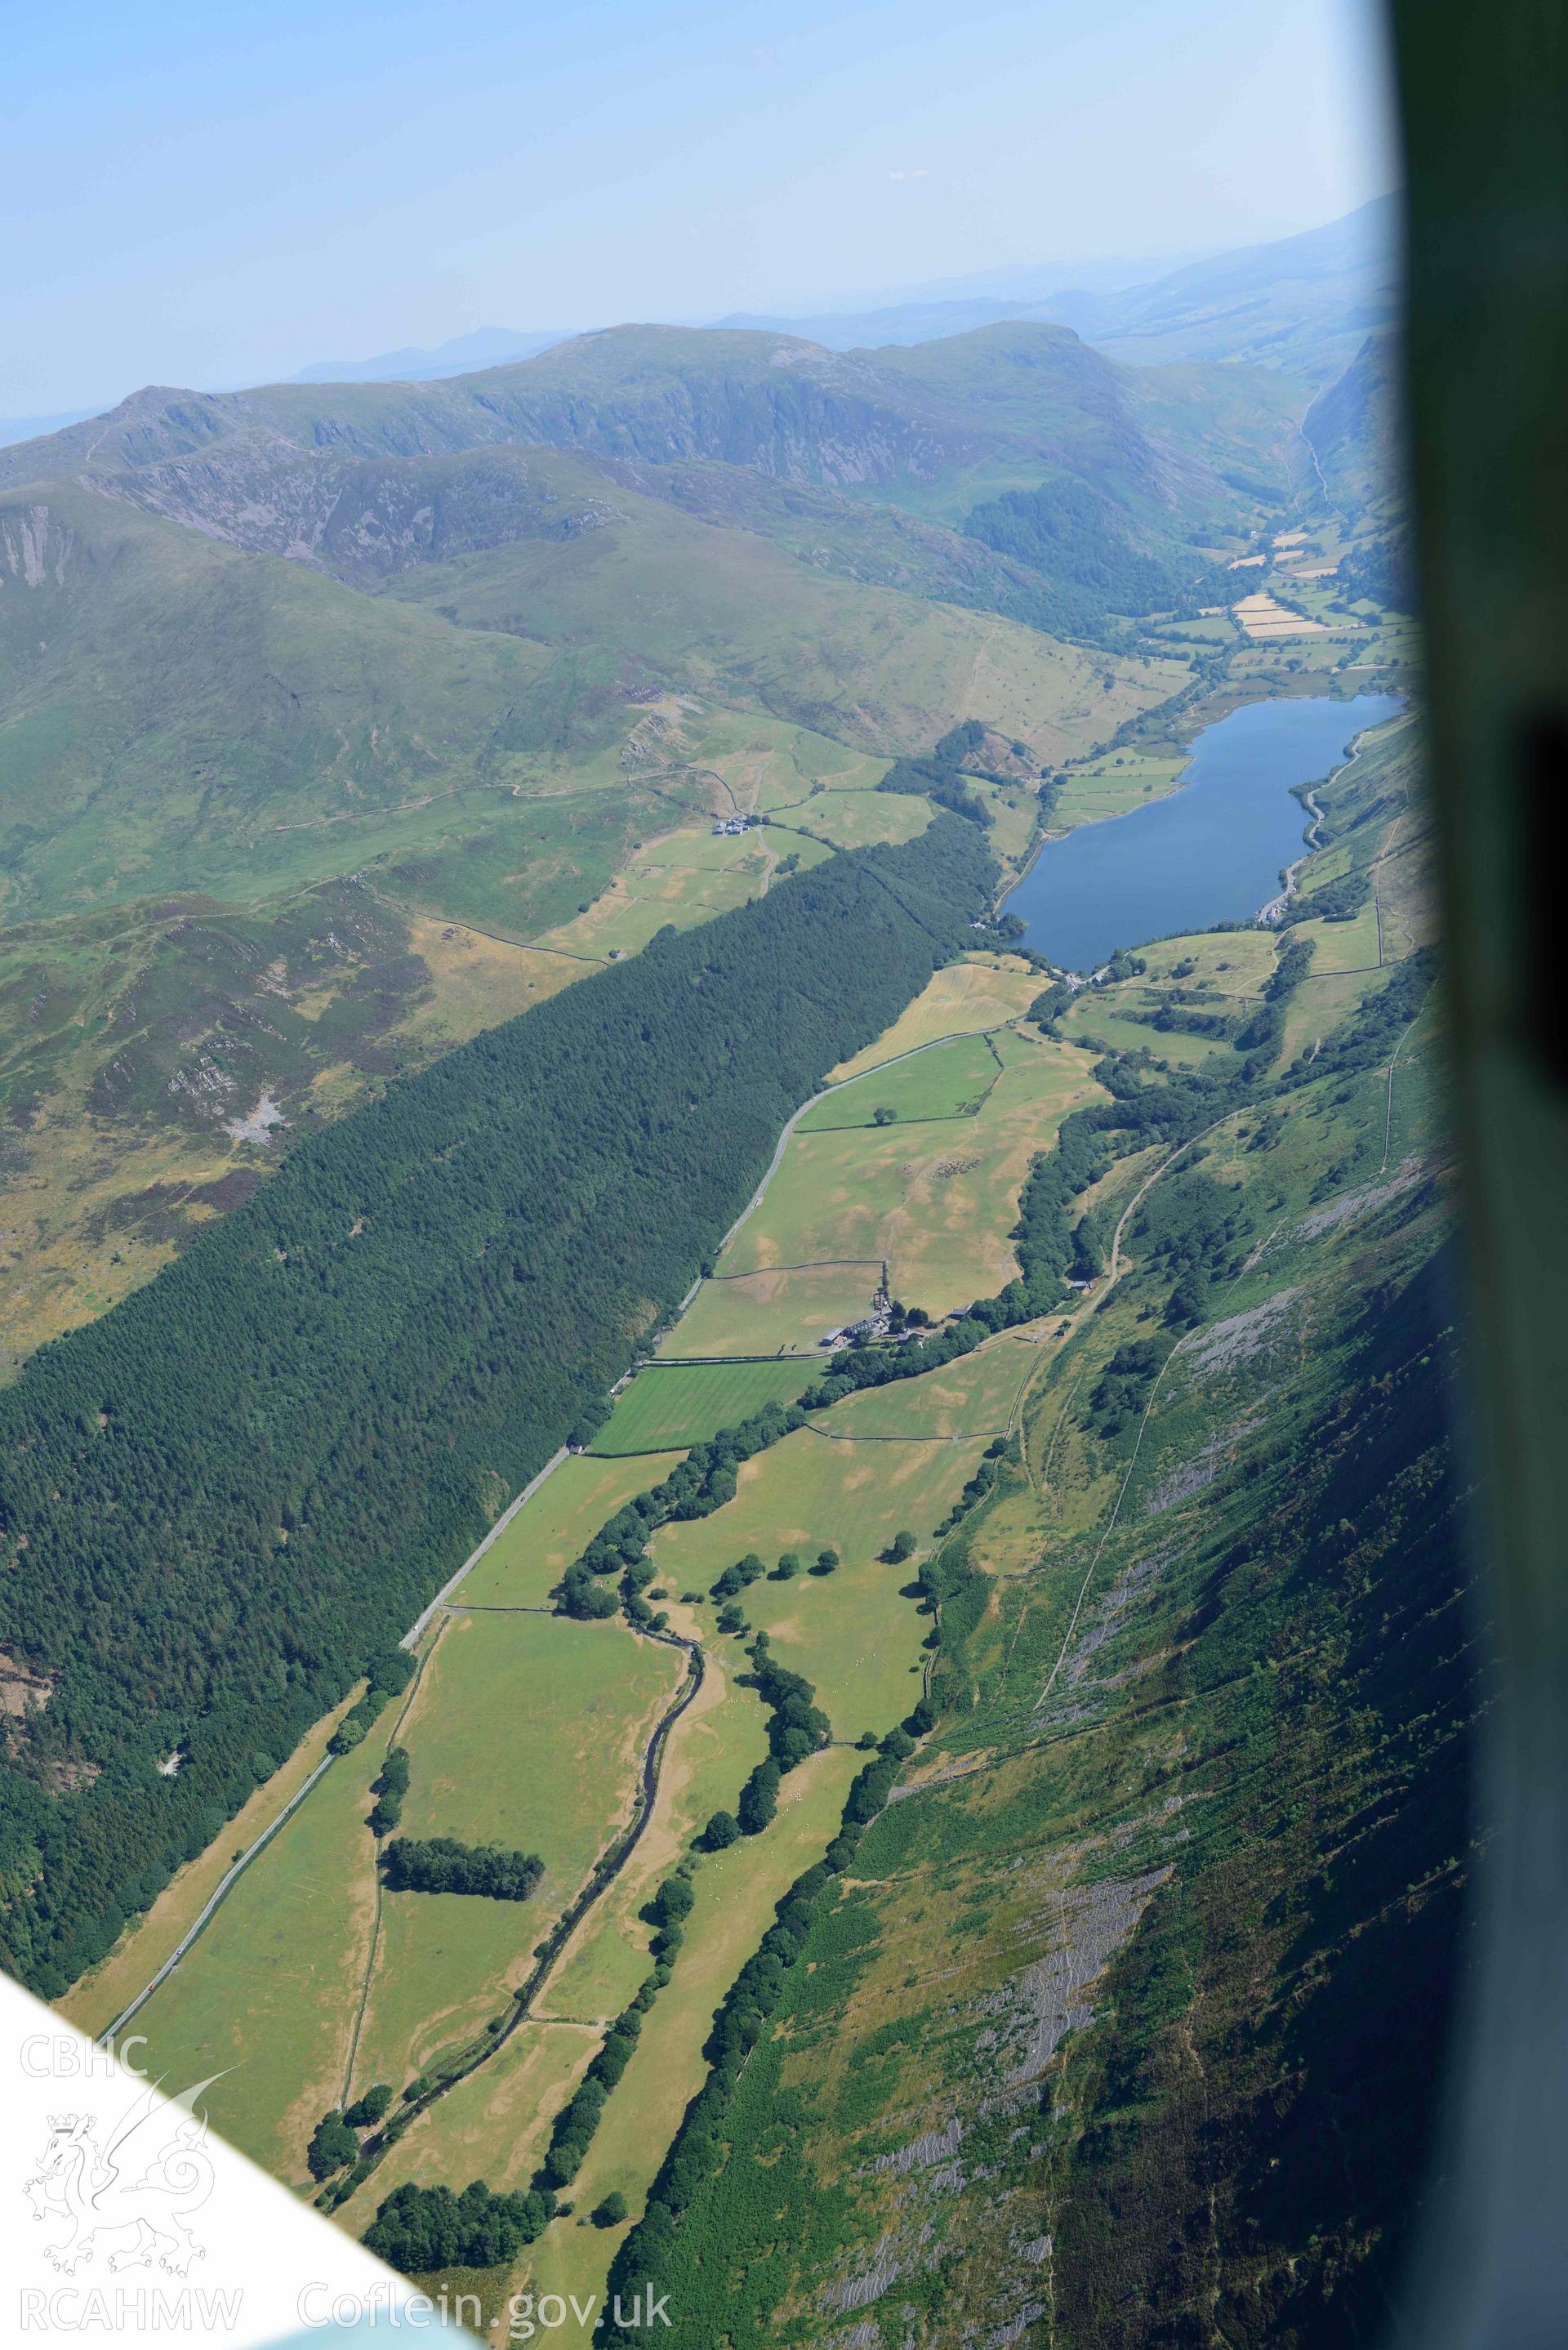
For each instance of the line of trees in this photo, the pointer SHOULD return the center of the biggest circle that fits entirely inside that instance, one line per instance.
(389, 1673)
(421, 2229)
(695, 1488)
(391, 1787)
(579, 2117)
(444, 1865)
(646, 2255)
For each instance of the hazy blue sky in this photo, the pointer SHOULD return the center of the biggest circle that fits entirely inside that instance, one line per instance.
(217, 191)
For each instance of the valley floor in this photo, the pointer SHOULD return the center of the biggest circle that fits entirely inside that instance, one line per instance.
(1097, 1545)
(312, 1983)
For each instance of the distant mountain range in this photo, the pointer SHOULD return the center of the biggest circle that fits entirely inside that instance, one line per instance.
(1304, 303)
(487, 346)
(33, 427)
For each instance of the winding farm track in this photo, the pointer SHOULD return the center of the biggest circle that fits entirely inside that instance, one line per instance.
(1164, 1168)
(606, 1870)
(906, 1791)
(1388, 1107)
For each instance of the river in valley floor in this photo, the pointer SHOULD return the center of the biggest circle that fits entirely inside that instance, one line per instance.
(1210, 852)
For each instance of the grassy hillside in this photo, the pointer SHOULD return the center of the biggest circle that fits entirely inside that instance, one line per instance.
(175, 713)
(1187, 445)
(265, 833)
(752, 627)
(366, 519)
(1132, 2020)
(937, 428)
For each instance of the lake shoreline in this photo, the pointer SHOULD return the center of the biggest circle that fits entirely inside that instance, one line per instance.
(1223, 847)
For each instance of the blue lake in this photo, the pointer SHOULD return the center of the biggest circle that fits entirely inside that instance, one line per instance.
(1210, 852)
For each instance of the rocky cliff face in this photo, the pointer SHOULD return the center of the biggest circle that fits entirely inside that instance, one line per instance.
(364, 519)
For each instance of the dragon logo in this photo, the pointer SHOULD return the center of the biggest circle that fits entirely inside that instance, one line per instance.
(91, 2190)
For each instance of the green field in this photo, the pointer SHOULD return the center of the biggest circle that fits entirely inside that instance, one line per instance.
(856, 819)
(785, 1312)
(1014, 815)
(271, 1988)
(847, 1632)
(1112, 786)
(445, 1966)
(948, 1081)
(736, 1891)
(489, 2122)
(934, 1201)
(760, 763)
(972, 1397)
(528, 1733)
(1220, 974)
(967, 997)
(685, 877)
(1341, 946)
(1097, 1017)
(712, 1748)
(1319, 1004)
(553, 1525)
(99, 1998)
(687, 1403)
(1235, 963)
(493, 2126)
